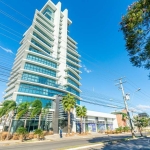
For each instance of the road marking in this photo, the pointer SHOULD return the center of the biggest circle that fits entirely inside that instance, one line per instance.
(88, 146)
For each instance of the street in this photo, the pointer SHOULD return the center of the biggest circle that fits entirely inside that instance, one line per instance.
(140, 144)
(55, 145)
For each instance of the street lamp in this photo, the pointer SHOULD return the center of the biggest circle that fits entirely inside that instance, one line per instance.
(135, 92)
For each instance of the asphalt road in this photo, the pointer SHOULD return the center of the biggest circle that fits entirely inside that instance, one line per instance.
(60, 144)
(140, 144)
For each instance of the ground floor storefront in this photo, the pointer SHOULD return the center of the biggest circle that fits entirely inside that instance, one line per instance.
(96, 122)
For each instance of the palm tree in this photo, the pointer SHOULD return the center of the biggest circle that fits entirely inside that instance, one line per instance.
(68, 103)
(81, 112)
(8, 106)
(37, 110)
(23, 110)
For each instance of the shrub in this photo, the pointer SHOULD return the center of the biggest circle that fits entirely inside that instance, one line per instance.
(31, 135)
(39, 133)
(22, 133)
(4, 135)
(126, 129)
(15, 136)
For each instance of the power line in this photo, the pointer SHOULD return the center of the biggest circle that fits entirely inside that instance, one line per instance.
(54, 35)
(22, 14)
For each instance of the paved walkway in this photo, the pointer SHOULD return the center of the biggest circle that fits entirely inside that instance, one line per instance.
(96, 137)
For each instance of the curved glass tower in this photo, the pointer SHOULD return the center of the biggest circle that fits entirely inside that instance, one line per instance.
(47, 62)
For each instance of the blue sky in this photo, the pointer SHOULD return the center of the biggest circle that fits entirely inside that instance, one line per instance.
(96, 29)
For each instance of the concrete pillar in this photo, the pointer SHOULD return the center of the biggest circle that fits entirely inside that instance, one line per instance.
(56, 115)
(74, 121)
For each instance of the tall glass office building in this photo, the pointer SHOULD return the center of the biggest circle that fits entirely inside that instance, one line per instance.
(47, 63)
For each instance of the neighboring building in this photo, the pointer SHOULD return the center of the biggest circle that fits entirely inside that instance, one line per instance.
(97, 122)
(143, 115)
(47, 62)
(121, 122)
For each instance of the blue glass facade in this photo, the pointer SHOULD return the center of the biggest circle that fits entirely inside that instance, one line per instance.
(73, 75)
(41, 60)
(41, 39)
(34, 89)
(45, 102)
(39, 69)
(72, 59)
(72, 82)
(36, 51)
(73, 66)
(43, 33)
(38, 79)
(48, 13)
(43, 25)
(72, 90)
(72, 54)
(40, 46)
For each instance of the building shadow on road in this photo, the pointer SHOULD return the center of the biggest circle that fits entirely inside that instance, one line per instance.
(142, 143)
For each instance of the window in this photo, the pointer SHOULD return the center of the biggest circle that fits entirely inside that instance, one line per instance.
(70, 46)
(38, 79)
(73, 75)
(38, 29)
(70, 89)
(72, 54)
(36, 51)
(47, 28)
(70, 58)
(39, 69)
(34, 89)
(41, 39)
(45, 102)
(73, 66)
(41, 60)
(73, 83)
(48, 13)
(40, 46)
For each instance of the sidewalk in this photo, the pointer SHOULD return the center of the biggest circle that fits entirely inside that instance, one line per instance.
(55, 137)
(51, 138)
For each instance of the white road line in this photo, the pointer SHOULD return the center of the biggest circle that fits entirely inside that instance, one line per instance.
(88, 146)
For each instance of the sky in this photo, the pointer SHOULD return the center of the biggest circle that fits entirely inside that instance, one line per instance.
(100, 43)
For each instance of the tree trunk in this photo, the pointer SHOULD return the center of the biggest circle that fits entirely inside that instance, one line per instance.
(140, 131)
(10, 124)
(5, 122)
(25, 121)
(81, 125)
(39, 124)
(68, 122)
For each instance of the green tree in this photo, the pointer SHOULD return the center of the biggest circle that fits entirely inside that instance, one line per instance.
(135, 27)
(39, 133)
(81, 112)
(8, 106)
(37, 110)
(23, 110)
(140, 123)
(68, 103)
(22, 132)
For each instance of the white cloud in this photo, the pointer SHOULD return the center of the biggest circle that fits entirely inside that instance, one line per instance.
(6, 50)
(143, 107)
(86, 70)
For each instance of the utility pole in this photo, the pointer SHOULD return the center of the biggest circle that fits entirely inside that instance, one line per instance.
(126, 106)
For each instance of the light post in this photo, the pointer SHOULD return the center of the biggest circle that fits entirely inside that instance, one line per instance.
(134, 93)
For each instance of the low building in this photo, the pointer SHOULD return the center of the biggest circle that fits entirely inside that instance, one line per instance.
(97, 122)
(120, 120)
